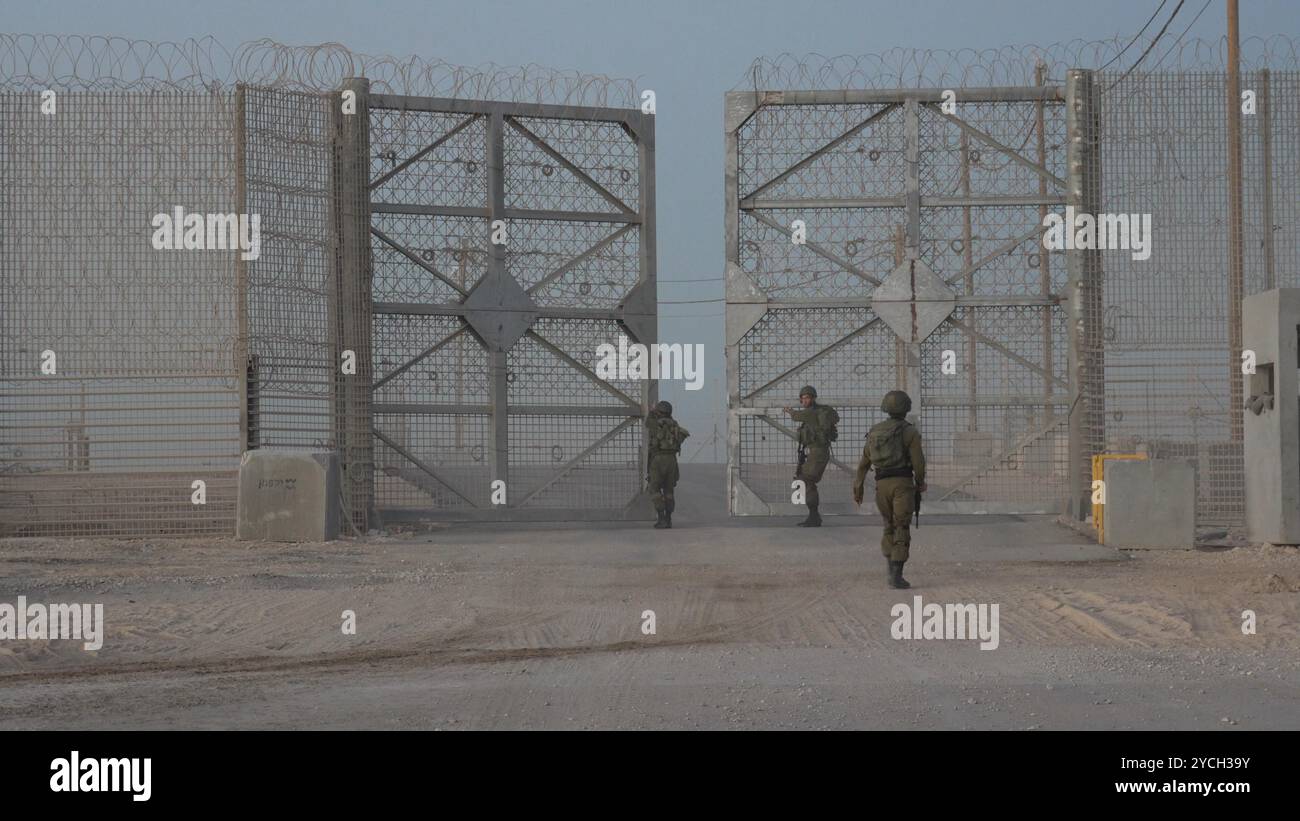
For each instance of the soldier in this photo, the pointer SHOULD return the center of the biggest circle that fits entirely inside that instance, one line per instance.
(817, 430)
(894, 447)
(664, 439)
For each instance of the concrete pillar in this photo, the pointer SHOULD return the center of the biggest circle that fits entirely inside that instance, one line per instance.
(1271, 421)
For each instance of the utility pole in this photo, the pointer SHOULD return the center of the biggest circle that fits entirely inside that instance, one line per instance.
(1236, 262)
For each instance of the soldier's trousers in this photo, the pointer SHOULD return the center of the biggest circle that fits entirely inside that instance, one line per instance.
(663, 478)
(896, 501)
(814, 465)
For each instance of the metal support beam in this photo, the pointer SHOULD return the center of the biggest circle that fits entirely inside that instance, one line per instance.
(498, 384)
(568, 264)
(984, 200)
(1084, 315)
(731, 249)
(462, 409)
(575, 461)
(412, 362)
(910, 350)
(406, 252)
(648, 261)
(504, 213)
(453, 105)
(1005, 351)
(820, 152)
(1264, 95)
(546, 149)
(868, 96)
(968, 280)
(583, 369)
(1236, 240)
(242, 366)
(1007, 151)
(351, 315)
(836, 345)
(423, 152)
(423, 468)
(816, 248)
(1044, 256)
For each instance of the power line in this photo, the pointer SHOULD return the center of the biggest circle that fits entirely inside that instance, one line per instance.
(1174, 47)
(1152, 45)
(1168, 51)
(1135, 36)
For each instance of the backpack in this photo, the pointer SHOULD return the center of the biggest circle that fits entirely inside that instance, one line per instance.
(668, 435)
(885, 445)
(829, 420)
(821, 430)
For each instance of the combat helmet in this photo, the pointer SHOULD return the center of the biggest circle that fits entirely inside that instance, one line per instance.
(664, 407)
(808, 390)
(896, 403)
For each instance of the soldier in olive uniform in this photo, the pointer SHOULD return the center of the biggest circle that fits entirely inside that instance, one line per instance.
(817, 430)
(894, 447)
(664, 439)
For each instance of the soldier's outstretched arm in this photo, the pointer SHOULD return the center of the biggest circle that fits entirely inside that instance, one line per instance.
(802, 415)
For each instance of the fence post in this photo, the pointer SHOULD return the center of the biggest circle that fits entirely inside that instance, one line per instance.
(241, 366)
(351, 317)
(1084, 289)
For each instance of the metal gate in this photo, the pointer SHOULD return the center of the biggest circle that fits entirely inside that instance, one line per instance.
(509, 242)
(923, 270)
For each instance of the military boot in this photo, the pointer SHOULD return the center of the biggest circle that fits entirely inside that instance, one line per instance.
(668, 513)
(662, 520)
(896, 579)
(813, 520)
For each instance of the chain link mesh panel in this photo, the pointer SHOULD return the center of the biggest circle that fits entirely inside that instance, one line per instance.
(990, 382)
(118, 374)
(1170, 352)
(496, 407)
(168, 364)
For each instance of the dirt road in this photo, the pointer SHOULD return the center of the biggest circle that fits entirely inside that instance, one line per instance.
(758, 624)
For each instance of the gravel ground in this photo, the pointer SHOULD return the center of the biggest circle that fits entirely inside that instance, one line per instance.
(758, 625)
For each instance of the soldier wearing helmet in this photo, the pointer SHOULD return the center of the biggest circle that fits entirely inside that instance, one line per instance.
(664, 439)
(817, 430)
(894, 448)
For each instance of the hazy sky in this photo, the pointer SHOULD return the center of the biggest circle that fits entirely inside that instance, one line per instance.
(688, 51)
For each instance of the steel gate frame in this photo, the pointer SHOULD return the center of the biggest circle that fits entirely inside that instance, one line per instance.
(747, 304)
(498, 312)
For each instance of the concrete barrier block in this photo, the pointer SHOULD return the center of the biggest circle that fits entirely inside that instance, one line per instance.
(1150, 503)
(288, 496)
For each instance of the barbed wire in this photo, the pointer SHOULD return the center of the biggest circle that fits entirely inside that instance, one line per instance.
(98, 63)
(1003, 66)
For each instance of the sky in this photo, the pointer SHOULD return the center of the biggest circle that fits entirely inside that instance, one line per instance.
(688, 51)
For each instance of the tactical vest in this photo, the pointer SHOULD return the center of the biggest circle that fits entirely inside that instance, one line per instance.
(822, 430)
(887, 450)
(666, 436)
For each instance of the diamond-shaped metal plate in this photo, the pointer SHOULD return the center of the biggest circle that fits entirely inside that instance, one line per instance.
(499, 311)
(913, 301)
